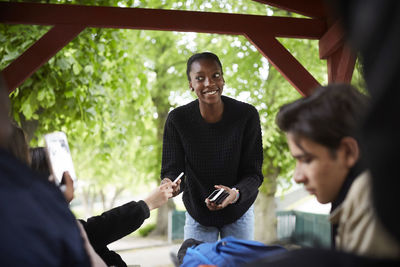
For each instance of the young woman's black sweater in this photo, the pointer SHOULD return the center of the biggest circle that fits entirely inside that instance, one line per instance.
(228, 152)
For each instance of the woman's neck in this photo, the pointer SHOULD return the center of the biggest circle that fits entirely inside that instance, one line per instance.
(212, 113)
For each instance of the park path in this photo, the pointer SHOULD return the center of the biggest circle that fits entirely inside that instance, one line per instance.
(145, 252)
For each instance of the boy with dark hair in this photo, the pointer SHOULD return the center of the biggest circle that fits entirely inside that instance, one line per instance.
(321, 134)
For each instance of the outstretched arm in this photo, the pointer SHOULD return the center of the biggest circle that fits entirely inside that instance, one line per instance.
(159, 196)
(123, 220)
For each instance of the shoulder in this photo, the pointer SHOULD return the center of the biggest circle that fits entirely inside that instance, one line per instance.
(183, 111)
(240, 108)
(360, 190)
(358, 195)
(359, 224)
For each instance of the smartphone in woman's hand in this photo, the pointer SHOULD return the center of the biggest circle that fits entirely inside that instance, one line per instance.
(217, 196)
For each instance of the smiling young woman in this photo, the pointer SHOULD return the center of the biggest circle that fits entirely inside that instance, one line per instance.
(216, 141)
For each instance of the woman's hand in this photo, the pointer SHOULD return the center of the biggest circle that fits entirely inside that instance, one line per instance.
(228, 200)
(176, 187)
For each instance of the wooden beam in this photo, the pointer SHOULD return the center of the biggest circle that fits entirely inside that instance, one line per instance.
(331, 41)
(38, 54)
(332, 63)
(309, 8)
(158, 19)
(341, 65)
(346, 64)
(260, 30)
(284, 62)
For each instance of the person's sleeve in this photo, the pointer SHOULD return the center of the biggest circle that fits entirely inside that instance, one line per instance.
(115, 223)
(173, 157)
(251, 158)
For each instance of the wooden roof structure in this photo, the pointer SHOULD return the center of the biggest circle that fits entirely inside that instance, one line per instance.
(70, 20)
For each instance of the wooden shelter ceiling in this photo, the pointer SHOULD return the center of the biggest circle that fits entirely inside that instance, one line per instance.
(70, 20)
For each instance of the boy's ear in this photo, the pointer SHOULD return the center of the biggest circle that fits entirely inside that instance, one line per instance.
(351, 150)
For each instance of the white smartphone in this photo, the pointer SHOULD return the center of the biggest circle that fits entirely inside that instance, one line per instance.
(59, 155)
(215, 194)
(177, 178)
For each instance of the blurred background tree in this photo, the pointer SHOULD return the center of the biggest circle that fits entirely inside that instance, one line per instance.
(111, 90)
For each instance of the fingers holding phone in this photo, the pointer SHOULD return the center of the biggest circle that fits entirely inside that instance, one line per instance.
(174, 183)
(67, 186)
(159, 196)
(220, 198)
(176, 188)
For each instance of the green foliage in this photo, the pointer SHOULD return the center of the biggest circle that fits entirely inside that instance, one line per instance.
(145, 230)
(111, 90)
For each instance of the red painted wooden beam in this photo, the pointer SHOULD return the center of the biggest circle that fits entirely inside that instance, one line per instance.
(341, 65)
(346, 65)
(158, 19)
(263, 30)
(284, 62)
(39, 53)
(310, 8)
(331, 41)
(340, 58)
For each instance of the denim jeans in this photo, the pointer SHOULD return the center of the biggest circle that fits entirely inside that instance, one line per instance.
(243, 228)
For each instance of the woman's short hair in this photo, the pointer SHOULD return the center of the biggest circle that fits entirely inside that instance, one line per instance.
(200, 56)
(329, 114)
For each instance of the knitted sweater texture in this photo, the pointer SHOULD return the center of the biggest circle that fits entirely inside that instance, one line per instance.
(228, 152)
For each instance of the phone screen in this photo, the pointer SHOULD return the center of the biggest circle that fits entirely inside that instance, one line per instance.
(59, 155)
(215, 194)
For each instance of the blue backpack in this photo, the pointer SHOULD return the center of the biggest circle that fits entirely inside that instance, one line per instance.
(228, 251)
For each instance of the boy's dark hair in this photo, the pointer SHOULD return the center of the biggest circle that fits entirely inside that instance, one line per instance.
(5, 126)
(325, 117)
(39, 160)
(18, 145)
(200, 56)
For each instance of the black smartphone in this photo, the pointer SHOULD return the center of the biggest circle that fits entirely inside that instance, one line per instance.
(221, 197)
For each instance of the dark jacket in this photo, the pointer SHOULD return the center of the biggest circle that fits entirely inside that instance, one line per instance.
(113, 225)
(36, 226)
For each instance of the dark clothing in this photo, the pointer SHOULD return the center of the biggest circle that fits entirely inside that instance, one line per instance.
(113, 225)
(228, 152)
(36, 226)
(373, 29)
(321, 257)
(351, 176)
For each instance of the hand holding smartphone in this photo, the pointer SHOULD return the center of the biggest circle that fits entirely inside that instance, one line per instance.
(59, 156)
(177, 178)
(218, 196)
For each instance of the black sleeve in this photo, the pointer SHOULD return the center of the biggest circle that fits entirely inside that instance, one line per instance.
(173, 156)
(115, 223)
(251, 176)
